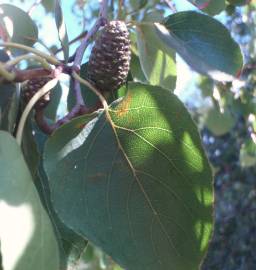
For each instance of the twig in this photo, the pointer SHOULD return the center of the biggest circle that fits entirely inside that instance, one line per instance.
(82, 35)
(92, 88)
(44, 90)
(120, 6)
(37, 58)
(35, 4)
(23, 75)
(49, 58)
(78, 94)
(42, 123)
(101, 21)
(171, 5)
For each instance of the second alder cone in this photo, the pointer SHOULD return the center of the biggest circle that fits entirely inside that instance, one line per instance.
(31, 87)
(109, 61)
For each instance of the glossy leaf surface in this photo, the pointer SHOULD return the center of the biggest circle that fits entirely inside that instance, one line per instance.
(136, 183)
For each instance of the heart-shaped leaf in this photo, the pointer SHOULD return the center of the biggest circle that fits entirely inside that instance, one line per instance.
(27, 238)
(157, 60)
(204, 43)
(137, 183)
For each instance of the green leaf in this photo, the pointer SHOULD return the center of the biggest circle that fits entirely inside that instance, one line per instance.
(138, 186)
(48, 5)
(90, 99)
(62, 30)
(30, 150)
(211, 7)
(157, 60)
(206, 86)
(1, 266)
(204, 43)
(52, 108)
(26, 233)
(219, 123)
(9, 97)
(248, 153)
(19, 26)
(135, 68)
(71, 245)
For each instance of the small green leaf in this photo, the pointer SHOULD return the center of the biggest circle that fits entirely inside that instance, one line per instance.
(157, 60)
(62, 30)
(204, 43)
(139, 185)
(248, 153)
(19, 26)
(219, 123)
(206, 85)
(48, 5)
(52, 108)
(27, 238)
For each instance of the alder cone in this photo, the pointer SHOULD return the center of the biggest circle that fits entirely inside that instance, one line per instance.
(31, 87)
(109, 61)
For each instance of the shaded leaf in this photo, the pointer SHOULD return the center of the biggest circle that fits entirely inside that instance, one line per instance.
(136, 71)
(138, 186)
(9, 94)
(89, 97)
(19, 26)
(204, 43)
(239, 2)
(71, 245)
(52, 108)
(157, 60)
(62, 30)
(31, 244)
(4, 57)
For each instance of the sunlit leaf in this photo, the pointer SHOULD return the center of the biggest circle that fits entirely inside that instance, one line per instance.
(157, 60)
(219, 123)
(139, 185)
